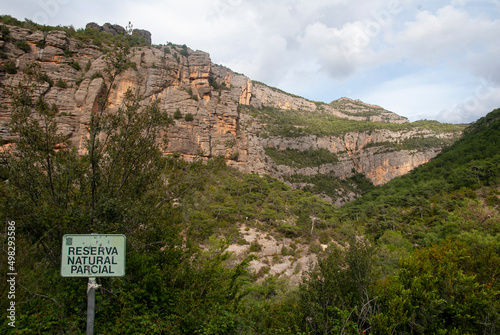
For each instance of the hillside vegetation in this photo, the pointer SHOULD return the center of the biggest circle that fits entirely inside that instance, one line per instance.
(419, 255)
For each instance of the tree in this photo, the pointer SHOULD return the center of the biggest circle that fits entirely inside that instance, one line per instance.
(177, 114)
(42, 172)
(336, 296)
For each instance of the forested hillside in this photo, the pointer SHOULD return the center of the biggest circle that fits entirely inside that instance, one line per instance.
(418, 255)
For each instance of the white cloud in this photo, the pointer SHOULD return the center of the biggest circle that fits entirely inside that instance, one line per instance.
(449, 34)
(483, 99)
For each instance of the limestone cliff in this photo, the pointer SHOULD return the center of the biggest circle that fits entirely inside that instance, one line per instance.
(222, 111)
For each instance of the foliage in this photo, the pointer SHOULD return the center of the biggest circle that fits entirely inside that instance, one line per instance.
(364, 110)
(332, 186)
(23, 45)
(61, 83)
(75, 65)
(177, 114)
(10, 67)
(4, 30)
(449, 288)
(272, 307)
(228, 197)
(184, 51)
(336, 296)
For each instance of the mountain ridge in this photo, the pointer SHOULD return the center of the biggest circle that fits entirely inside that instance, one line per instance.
(217, 112)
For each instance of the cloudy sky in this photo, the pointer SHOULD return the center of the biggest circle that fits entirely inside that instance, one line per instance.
(423, 59)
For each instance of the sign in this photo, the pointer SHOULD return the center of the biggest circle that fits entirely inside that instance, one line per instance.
(93, 255)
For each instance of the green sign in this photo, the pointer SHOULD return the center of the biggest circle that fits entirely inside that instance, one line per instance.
(93, 255)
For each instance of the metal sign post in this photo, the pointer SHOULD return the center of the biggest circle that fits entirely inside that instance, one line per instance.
(93, 255)
(91, 305)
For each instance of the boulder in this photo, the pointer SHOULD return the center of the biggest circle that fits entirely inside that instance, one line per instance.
(144, 34)
(114, 29)
(93, 25)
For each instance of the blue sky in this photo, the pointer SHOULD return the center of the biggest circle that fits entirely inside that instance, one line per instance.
(422, 59)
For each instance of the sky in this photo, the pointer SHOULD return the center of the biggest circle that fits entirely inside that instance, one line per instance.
(422, 59)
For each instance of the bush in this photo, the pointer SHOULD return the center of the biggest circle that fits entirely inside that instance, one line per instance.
(336, 294)
(290, 230)
(45, 77)
(75, 65)
(255, 247)
(96, 74)
(61, 83)
(10, 67)
(177, 114)
(184, 51)
(447, 286)
(189, 117)
(4, 30)
(40, 44)
(23, 45)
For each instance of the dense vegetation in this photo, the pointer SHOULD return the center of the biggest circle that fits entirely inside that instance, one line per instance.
(420, 255)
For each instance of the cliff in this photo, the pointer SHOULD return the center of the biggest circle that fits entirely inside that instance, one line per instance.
(221, 113)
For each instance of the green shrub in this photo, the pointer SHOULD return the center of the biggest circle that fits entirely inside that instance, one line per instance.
(4, 30)
(95, 75)
(315, 248)
(61, 83)
(177, 114)
(23, 45)
(189, 117)
(255, 247)
(184, 51)
(40, 44)
(45, 77)
(75, 65)
(10, 67)
(290, 230)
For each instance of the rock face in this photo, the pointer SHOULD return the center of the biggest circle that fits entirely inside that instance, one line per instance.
(215, 98)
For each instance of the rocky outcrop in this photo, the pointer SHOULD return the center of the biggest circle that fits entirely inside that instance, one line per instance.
(142, 33)
(211, 100)
(115, 29)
